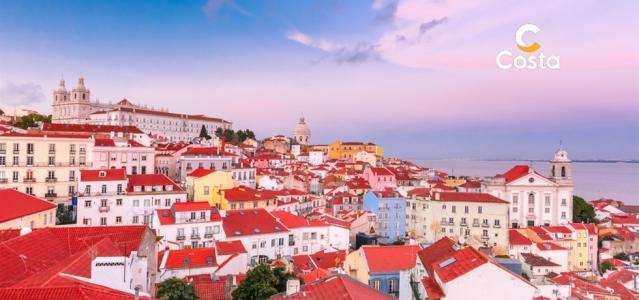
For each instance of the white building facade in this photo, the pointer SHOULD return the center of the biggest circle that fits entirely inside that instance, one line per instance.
(535, 199)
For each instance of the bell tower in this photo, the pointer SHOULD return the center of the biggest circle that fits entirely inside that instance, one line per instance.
(561, 167)
(60, 103)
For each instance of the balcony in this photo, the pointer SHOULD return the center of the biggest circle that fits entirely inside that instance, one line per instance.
(51, 179)
(496, 226)
(484, 237)
(3, 151)
(208, 235)
(50, 195)
(72, 152)
(16, 151)
(104, 209)
(475, 224)
(463, 224)
(485, 225)
(195, 236)
(28, 179)
(180, 237)
(4, 180)
(51, 152)
(71, 178)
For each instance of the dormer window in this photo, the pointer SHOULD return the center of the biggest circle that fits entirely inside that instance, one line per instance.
(168, 187)
(137, 188)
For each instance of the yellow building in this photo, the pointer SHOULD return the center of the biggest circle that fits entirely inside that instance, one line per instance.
(454, 181)
(20, 210)
(349, 150)
(573, 238)
(356, 266)
(205, 185)
(243, 197)
(44, 165)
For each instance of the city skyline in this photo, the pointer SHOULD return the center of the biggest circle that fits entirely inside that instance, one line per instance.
(402, 75)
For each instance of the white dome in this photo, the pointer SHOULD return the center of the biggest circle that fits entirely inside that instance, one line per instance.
(301, 128)
(561, 155)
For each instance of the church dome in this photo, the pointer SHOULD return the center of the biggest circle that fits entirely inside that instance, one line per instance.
(80, 87)
(561, 155)
(301, 128)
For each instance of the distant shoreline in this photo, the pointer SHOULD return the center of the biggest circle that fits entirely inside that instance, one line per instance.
(606, 161)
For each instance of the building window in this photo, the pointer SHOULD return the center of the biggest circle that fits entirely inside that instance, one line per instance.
(118, 202)
(118, 220)
(103, 221)
(479, 209)
(136, 219)
(515, 199)
(392, 286)
(377, 284)
(87, 203)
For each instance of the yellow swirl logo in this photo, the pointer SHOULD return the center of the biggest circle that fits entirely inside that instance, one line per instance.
(519, 38)
(506, 60)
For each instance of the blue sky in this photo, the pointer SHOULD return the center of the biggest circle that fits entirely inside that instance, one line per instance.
(417, 77)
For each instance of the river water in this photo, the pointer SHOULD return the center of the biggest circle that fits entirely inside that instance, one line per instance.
(619, 181)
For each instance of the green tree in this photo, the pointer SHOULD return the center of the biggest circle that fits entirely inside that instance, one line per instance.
(176, 289)
(622, 256)
(241, 135)
(582, 212)
(64, 215)
(605, 266)
(283, 277)
(229, 135)
(204, 133)
(219, 132)
(260, 283)
(525, 276)
(250, 134)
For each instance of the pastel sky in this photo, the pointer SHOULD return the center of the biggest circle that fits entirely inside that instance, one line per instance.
(417, 77)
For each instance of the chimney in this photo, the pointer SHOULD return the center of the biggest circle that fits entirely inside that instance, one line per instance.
(137, 293)
(292, 286)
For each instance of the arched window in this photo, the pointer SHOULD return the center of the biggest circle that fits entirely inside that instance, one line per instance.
(84, 96)
(563, 171)
(553, 171)
(531, 199)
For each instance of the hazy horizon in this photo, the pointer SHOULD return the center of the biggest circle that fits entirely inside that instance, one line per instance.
(417, 77)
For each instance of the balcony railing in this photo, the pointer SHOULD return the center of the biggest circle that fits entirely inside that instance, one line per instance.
(3, 151)
(46, 164)
(475, 224)
(485, 225)
(51, 179)
(208, 235)
(180, 237)
(16, 151)
(496, 226)
(195, 236)
(4, 180)
(50, 195)
(28, 180)
(463, 224)
(484, 237)
(104, 209)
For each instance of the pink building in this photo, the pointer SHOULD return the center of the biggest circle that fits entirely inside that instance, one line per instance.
(123, 153)
(167, 156)
(380, 178)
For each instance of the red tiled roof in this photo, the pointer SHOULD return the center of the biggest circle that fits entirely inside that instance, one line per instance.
(516, 238)
(549, 246)
(88, 128)
(419, 192)
(459, 263)
(390, 258)
(45, 135)
(229, 247)
(23, 256)
(108, 175)
(382, 171)
(315, 275)
(244, 194)
(516, 172)
(469, 197)
(104, 143)
(537, 261)
(207, 151)
(80, 291)
(151, 180)
(190, 258)
(162, 113)
(433, 290)
(558, 229)
(336, 287)
(16, 205)
(199, 172)
(443, 247)
(250, 222)
(191, 206)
